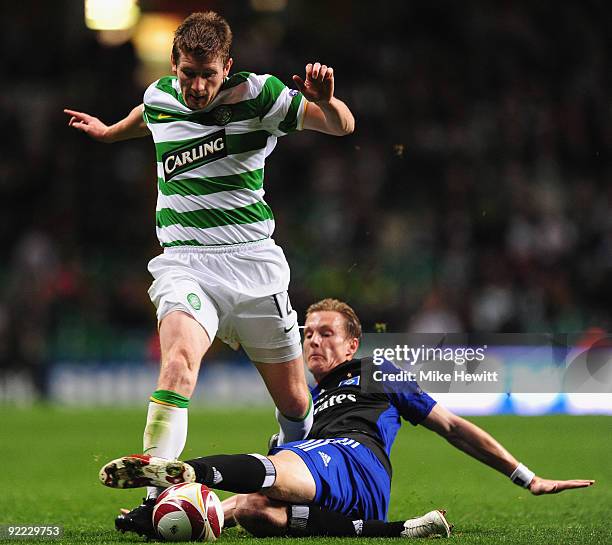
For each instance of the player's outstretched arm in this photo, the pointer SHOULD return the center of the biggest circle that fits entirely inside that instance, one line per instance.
(324, 112)
(131, 126)
(478, 443)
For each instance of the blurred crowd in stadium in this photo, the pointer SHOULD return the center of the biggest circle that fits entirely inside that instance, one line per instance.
(475, 194)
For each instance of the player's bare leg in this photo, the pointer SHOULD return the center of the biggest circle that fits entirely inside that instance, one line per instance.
(229, 510)
(183, 345)
(260, 515)
(294, 483)
(286, 383)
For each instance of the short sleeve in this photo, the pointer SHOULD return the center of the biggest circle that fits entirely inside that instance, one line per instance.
(413, 404)
(281, 109)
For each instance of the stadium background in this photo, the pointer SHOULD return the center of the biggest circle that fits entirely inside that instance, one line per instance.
(475, 194)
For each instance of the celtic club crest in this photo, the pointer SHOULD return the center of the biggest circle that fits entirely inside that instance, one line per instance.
(222, 115)
(194, 301)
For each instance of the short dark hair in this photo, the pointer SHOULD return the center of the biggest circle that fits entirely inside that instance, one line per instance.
(203, 34)
(351, 321)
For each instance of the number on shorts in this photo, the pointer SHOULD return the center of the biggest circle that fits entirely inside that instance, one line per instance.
(280, 305)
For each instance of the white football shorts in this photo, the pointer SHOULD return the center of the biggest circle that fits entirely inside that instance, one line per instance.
(237, 293)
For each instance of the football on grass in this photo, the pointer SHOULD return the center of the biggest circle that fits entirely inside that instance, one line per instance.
(188, 512)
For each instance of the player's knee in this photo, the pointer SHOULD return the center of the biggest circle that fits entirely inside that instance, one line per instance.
(295, 406)
(256, 515)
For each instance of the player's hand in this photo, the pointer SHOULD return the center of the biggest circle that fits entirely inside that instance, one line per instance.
(319, 84)
(541, 486)
(90, 125)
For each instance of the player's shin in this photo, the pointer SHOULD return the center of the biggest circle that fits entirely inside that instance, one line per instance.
(240, 473)
(312, 520)
(294, 429)
(165, 433)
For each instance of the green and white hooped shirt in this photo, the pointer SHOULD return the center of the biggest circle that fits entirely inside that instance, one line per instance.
(210, 163)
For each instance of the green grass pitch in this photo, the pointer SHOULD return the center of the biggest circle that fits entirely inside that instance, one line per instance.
(51, 456)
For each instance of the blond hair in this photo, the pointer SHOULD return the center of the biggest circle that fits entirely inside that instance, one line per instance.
(351, 321)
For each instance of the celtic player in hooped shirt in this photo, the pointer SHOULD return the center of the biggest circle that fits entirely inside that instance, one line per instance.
(211, 162)
(220, 274)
